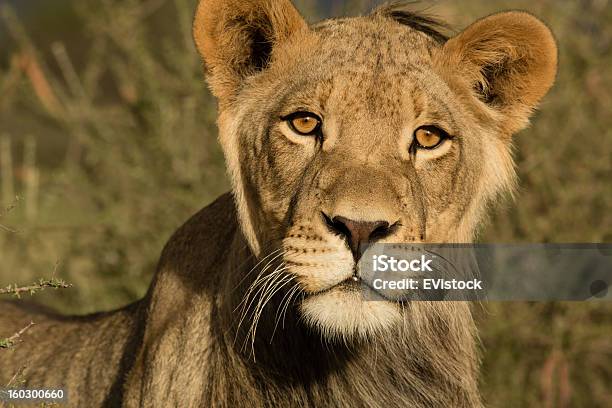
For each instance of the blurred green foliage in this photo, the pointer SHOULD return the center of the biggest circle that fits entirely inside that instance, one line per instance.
(109, 138)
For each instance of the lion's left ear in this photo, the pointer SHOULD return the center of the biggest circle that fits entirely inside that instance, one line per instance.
(510, 59)
(237, 38)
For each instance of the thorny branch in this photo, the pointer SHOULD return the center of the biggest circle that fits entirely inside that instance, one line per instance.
(17, 291)
(35, 287)
(42, 284)
(15, 338)
(5, 212)
(16, 378)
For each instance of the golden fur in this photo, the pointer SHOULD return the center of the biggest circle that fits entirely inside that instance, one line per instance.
(247, 306)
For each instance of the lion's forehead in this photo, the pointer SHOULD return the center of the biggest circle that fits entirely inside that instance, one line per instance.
(390, 96)
(366, 44)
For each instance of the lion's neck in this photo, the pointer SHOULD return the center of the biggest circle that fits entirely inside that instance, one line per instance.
(192, 339)
(427, 366)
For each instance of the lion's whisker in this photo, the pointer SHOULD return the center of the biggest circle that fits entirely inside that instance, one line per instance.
(256, 289)
(276, 251)
(258, 280)
(283, 305)
(272, 287)
(252, 293)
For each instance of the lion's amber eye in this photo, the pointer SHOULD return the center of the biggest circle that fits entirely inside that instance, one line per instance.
(429, 137)
(304, 123)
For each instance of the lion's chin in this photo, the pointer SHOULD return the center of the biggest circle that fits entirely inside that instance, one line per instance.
(345, 315)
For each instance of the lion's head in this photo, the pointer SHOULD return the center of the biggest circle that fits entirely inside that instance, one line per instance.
(374, 128)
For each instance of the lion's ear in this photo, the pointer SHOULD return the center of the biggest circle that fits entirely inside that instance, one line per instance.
(510, 58)
(236, 38)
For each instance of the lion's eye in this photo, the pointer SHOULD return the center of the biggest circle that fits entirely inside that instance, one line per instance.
(429, 137)
(304, 123)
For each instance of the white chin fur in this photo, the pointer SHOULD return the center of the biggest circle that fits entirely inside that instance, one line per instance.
(342, 315)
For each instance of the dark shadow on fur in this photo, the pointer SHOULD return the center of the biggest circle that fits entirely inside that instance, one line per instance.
(418, 21)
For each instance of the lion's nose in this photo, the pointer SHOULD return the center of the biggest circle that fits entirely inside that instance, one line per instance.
(358, 234)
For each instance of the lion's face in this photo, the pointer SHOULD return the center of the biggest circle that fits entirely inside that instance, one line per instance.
(361, 131)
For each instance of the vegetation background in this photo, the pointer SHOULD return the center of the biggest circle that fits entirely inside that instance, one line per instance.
(107, 135)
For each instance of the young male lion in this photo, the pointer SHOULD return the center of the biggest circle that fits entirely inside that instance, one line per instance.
(375, 128)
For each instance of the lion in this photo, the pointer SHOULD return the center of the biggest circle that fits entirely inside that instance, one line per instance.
(378, 128)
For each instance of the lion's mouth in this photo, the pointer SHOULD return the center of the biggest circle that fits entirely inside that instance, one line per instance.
(355, 284)
(350, 284)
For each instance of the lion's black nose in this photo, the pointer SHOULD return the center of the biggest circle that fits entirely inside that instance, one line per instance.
(358, 234)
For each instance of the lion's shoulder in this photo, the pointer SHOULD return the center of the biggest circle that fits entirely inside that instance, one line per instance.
(201, 241)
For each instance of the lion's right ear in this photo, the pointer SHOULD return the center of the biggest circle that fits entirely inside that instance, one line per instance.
(236, 38)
